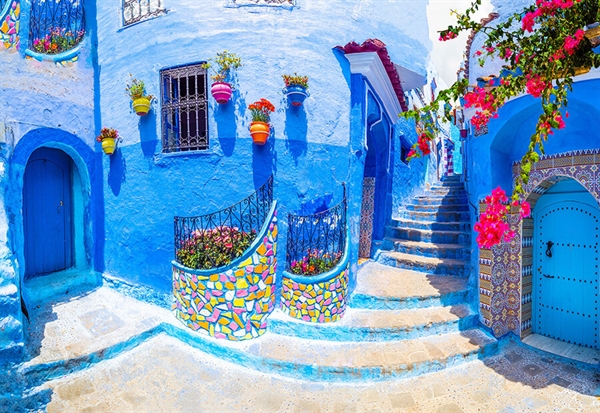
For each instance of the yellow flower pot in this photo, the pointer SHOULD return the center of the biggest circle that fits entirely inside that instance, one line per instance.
(141, 106)
(109, 145)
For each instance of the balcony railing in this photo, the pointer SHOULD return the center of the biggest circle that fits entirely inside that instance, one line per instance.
(214, 240)
(316, 242)
(56, 26)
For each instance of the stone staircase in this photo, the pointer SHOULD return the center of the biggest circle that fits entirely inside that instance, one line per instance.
(409, 313)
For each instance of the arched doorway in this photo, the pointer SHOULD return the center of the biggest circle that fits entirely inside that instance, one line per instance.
(565, 264)
(48, 217)
(377, 175)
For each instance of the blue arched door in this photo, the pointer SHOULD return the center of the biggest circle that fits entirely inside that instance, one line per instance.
(566, 267)
(47, 215)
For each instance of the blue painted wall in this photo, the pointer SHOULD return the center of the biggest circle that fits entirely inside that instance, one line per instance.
(311, 151)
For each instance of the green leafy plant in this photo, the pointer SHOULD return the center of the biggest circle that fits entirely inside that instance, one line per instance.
(226, 62)
(315, 262)
(295, 80)
(214, 247)
(544, 46)
(137, 89)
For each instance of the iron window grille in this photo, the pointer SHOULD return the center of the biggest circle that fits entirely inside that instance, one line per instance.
(135, 11)
(248, 216)
(184, 108)
(322, 234)
(63, 21)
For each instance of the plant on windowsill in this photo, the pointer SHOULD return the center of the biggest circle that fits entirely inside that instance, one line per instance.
(260, 129)
(226, 63)
(108, 137)
(139, 99)
(296, 88)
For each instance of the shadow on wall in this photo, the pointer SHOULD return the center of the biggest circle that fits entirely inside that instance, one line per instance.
(264, 160)
(118, 169)
(296, 129)
(226, 124)
(148, 134)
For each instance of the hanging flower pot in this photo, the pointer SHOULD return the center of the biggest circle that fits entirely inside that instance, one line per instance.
(141, 106)
(260, 131)
(140, 101)
(108, 137)
(463, 133)
(221, 91)
(296, 88)
(296, 95)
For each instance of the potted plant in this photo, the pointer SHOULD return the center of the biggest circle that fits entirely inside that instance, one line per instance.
(260, 129)
(296, 88)
(137, 92)
(226, 62)
(108, 137)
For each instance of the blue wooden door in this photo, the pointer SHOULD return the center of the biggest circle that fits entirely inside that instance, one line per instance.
(566, 276)
(47, 212)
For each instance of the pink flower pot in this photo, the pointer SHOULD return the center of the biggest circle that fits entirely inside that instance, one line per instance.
(221, 91)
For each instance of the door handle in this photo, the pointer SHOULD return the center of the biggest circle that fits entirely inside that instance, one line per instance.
(548, 276)
(58, 207)
(549, 244)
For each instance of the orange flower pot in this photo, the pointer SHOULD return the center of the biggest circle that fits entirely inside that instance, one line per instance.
(260, 131)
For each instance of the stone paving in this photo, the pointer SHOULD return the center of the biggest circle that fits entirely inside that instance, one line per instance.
(165, 375)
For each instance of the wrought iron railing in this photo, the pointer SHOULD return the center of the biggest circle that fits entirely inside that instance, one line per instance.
(137, 10)
(56, 26)
(215, 239)
(316, 243)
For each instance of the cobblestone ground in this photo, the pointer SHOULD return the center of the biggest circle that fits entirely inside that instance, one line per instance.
(165, 375)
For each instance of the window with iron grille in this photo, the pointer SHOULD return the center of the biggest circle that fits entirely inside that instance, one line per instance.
(138, 10)
(184, 108)
(56, 26)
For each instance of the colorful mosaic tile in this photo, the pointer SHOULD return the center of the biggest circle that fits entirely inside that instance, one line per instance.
(9, 25)
(506, 286)
(366, 218)
(321, 302)
(234, 304)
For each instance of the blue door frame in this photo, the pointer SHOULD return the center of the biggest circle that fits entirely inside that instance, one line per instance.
(47, 212)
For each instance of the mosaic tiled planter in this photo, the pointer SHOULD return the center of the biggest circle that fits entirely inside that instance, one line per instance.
(231, 302)
(317, 299)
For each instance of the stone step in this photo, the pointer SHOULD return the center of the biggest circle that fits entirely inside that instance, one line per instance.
(428, 249)
(429, 265)
(344, 361)
(439, 200)
(446, 191)
(379, 325)
(383, 287)
(431, 225)
(423, 235)
(464, 207)
(434, 216)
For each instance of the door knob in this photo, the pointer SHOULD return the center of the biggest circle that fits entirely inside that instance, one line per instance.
(549, 244)
(58, 207)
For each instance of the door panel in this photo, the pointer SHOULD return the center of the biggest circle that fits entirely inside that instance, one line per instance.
(566, 284)
(47, 212)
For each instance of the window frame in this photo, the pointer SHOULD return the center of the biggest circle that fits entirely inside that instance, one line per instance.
(171, 106)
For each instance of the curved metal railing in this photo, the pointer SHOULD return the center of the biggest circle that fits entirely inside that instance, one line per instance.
(56, 26)
(215, 239)
(316, 242)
